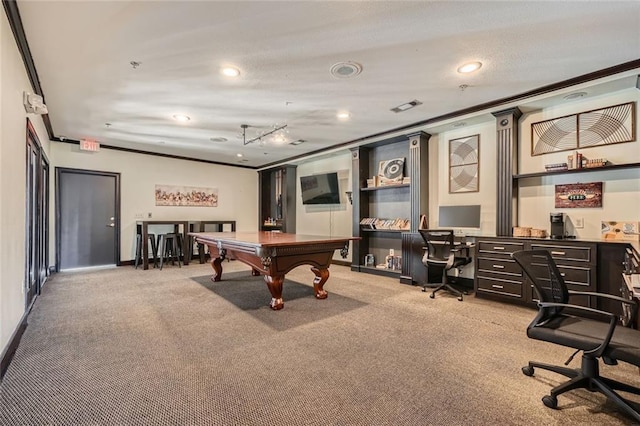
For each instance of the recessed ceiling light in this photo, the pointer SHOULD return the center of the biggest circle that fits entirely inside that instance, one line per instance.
(459, 124)
(218, 139)
(230, 71)
(406, 106)
(575, 95)
(469, 67)
(297, 142)
(343, 115)
(239, 155)
(181, 117)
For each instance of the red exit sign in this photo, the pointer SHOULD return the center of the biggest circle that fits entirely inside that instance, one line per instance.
(89, 145)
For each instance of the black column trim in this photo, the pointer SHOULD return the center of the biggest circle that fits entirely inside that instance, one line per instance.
(507, 142)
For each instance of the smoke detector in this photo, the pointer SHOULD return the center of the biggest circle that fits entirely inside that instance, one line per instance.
(345, 69)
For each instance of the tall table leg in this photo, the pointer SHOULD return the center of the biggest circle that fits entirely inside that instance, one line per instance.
(145, 246)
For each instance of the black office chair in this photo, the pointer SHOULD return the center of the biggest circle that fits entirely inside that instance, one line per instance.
(440, 254)
(596, 339)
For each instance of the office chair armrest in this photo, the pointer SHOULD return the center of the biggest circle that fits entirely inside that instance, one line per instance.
(634, 305)
(603, 295)
(577, 307)
(599, 350)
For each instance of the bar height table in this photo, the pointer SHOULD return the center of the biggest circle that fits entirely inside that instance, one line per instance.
(143, 227)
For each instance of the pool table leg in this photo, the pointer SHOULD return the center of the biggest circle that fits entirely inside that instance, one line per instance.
(322, 275)
(275, 287)
(216, 264)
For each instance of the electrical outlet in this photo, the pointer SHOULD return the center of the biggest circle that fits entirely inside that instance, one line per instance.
(391, 252)
(579, 222)
(149, 215)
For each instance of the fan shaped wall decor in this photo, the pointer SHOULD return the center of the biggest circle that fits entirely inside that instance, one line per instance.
(464, 155)
(605, 126)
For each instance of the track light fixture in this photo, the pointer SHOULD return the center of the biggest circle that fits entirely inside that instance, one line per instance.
(263, 135)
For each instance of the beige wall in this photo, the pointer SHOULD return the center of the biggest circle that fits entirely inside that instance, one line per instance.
(621, 188)
(139, 173)
(326, 219)
(13, 81)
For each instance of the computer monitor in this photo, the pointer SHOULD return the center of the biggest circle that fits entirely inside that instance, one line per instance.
(459, 216)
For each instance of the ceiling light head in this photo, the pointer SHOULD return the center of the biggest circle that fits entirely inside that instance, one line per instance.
(181, 118)
(406, 106)
(230, 71)
(345, 69)
(218, 139)
(343, 115)
(134, 64)
(575, 95)
(469, 67)
(296, 142)
(239, 155)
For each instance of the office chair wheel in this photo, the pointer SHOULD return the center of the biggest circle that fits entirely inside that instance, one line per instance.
(527, 371)
(432, 295)
(550, 401)
(460, 298)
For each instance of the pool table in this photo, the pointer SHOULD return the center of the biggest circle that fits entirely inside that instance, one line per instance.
(274, 254)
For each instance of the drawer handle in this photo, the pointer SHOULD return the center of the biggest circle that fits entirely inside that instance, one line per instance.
(498, 248)
(562, 274)
(498, 266)
(497, 286)
(558, 253)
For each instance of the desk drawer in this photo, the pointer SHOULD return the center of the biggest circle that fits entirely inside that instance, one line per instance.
(560, 252)
(490, 248)
(496, 286)
(499, 266)
(571, 275)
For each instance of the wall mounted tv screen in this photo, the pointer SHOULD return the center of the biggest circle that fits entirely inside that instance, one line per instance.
(320, 189)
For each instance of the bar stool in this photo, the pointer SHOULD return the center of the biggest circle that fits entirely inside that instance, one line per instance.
(170, 246)
(154, 250)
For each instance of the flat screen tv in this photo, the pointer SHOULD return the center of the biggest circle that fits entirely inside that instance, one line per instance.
(320, 189)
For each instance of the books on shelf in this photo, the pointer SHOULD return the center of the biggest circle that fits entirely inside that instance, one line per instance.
(385, 224)
(556, 167)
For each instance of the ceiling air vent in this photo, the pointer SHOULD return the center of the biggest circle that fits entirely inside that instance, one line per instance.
(346, 69)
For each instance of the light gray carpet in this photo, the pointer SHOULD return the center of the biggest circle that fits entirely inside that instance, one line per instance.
(133, 347)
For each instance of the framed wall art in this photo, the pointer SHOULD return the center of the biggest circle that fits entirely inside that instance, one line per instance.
(576, 195)
(559, 134)
(464, 157)
(607, 126)
(604, 126)
(168, 195)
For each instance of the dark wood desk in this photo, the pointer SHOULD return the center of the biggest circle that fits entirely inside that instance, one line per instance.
(274, 254)
(144, 230)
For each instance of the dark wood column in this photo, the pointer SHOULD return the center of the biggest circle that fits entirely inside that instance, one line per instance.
(418, 170)
(359, 175)
(507, 166)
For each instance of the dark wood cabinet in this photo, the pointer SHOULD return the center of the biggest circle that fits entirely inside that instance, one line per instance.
(277, 199)
(594, 266)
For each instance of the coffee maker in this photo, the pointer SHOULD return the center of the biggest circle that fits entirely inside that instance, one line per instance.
(557, 226)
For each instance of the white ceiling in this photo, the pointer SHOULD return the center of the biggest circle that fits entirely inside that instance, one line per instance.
(408, 50)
